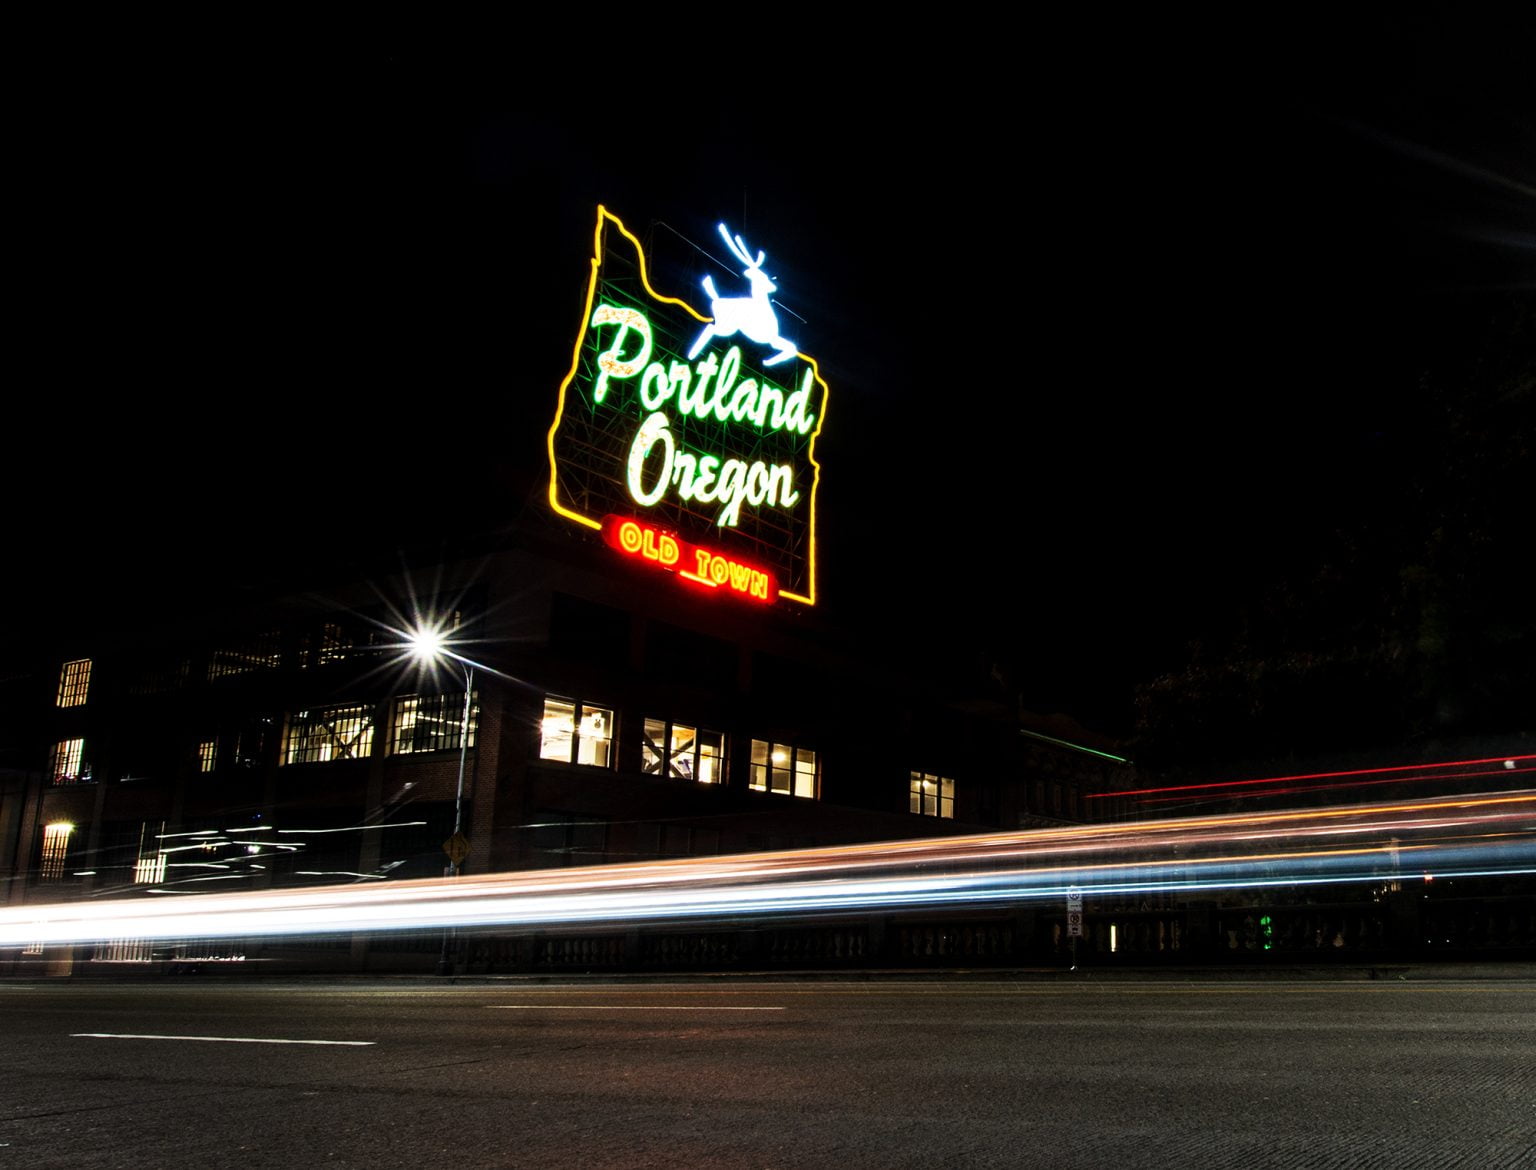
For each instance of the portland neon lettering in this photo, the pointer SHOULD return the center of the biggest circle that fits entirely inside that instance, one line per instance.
(711, 389)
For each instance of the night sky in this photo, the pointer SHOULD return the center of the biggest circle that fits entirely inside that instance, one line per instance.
(1119, 324)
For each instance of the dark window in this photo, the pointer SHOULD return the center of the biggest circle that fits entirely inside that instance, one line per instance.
(685, 656)
(589, 632)
(567, 839)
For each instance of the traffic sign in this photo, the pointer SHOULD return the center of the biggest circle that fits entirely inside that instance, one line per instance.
(456, 847)
(1074, 924)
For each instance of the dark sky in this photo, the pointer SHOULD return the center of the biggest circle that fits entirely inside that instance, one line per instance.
(1111, 316)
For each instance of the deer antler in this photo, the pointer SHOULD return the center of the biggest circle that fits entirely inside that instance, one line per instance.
(739, 247)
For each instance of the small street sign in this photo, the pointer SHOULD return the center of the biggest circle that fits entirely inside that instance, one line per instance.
(1074, 924)
(456, 847)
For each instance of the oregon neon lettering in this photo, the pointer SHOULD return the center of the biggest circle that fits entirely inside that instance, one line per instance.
(707, 479)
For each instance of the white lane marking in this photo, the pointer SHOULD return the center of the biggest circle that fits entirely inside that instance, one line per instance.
(216, 1039)
(639, 1007)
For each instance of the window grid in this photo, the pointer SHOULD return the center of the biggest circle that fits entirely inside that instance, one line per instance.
(262, 651)
(207, 754)
(67, 764)
(149, 868)
(784, 768)
(74, 682)
(932, 796)
(576, 733)
(331, 733)
(681, 752)
(163, 675)
(433, 723)
(324, 646)
(55, 848)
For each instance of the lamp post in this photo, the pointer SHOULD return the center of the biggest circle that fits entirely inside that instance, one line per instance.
(428, 649)
(457, 842)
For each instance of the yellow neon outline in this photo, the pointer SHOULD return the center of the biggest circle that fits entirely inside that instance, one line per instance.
(604, 215)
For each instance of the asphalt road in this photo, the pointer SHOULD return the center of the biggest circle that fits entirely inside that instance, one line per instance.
(880, 1073)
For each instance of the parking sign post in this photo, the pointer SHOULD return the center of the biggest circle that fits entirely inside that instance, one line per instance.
(1074, 919)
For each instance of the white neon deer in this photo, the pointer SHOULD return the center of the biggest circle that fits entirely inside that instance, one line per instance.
(752, 315)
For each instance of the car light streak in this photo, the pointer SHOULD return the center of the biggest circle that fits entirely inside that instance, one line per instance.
(1395, 774)
(1461, 836)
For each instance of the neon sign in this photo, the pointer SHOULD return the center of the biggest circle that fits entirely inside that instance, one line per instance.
(702, 566)
(710, 447)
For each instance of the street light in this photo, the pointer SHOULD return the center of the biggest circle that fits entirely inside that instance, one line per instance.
(429, 649)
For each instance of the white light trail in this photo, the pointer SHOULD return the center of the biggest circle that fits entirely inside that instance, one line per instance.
(1461, 836)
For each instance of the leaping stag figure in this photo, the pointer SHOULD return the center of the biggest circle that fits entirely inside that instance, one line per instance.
(750, 315)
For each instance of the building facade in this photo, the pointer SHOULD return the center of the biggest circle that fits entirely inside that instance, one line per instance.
(611, 718)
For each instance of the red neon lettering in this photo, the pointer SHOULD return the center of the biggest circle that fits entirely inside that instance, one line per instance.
(710, 569)
(659, 547)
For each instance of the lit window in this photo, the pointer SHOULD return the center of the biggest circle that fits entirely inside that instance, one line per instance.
(74, 682)
(323, 646)
(432, 723)
(686, 753)
(932, 796)
(68, 762)
(262, 651)
(782, 767)
(207, 754)
(330, 733)
(55, 846)
(149, 868)
(576, 733)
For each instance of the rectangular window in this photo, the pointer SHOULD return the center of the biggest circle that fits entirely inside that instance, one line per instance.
(685, 753)
(576, 733)
(67, 765)
(433, 723)
(329, 733)
(566, 839)
(321, 647)
(782, 767)
(160, 675)
(253, 741)
(207, 754)
(931, 796)
(55, 848)
(74, 682)
(149, 865)
(261, 651)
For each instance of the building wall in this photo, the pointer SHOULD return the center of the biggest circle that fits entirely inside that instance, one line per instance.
(190, 735)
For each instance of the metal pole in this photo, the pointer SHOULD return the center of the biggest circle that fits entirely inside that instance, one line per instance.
(458, 799)
(445, 960)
